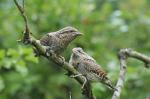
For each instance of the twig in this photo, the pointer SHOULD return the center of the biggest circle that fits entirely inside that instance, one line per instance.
(26, 34)
(70, 96)
(123, 55)
(27, 39)
(139, 56)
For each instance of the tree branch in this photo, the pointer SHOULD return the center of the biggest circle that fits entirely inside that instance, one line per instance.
(123, 55)
(139, 56)
(121, 79)
(28, 39)
(26, 33)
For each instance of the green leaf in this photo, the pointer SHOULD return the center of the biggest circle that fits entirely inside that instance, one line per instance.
(2, 85)
(21, 67)
(31, 58)
(2, 54)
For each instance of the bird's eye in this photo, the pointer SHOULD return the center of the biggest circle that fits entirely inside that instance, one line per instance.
(79, 51)
(78, 64)
(71, 31)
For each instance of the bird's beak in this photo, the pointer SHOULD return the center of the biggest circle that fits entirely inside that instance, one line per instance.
(79, 33)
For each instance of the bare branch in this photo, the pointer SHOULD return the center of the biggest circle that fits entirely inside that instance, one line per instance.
(139, 56)
(23, 4)
(70, 96)
(121, 79)
(123, 55)
(26, 35)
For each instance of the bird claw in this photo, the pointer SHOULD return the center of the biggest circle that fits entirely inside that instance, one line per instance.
(76, 75)
(72, 76)
(82, 88)
(58, 59)
(48, 53)
(62, 59)
(85, 80)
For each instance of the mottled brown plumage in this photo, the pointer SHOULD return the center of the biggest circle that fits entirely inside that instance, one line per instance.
(57, 42)
(88, 67)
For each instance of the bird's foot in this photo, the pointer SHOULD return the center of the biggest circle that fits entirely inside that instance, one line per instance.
(58, 58)
(61, 59)
(48, 53)
(84, 82)
(77, 75)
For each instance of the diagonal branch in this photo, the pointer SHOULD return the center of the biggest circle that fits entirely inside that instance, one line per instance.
(27, 39)
(123, 55)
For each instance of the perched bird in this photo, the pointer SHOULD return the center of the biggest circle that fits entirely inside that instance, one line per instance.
(88, 67)
(57, 42)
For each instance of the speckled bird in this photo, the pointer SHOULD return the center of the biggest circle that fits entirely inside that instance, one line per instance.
(88, 67)
(57, 42)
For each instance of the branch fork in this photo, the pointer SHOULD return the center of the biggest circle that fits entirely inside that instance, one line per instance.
(124, 54)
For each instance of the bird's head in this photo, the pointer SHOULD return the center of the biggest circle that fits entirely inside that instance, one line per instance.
(70, 30)
(78, 51)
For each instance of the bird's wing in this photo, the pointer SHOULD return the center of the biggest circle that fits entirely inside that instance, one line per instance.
(46, 40)
(87, 57)
(93, 67)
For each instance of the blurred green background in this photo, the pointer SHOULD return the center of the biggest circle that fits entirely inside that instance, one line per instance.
(108, 25)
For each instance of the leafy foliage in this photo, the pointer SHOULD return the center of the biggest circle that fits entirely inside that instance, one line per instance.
(108, 25)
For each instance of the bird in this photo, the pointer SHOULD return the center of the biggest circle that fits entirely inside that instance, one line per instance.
(89, 68)
(56, 42)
